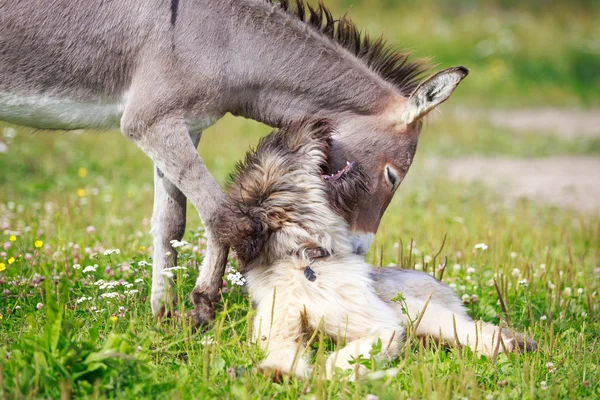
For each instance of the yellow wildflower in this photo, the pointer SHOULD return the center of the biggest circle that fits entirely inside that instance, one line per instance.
(38, 244)
(82, 172)
(12, 238)
(142, 248)
(2, 267)
(11, 260)
(80, 192)
(113, 319)
(0, 317)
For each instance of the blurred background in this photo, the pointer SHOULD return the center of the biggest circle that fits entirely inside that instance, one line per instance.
(523, 128)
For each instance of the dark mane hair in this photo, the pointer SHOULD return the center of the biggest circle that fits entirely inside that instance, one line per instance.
(394, 66)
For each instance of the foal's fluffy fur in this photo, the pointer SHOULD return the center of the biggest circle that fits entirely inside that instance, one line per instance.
(280, 206)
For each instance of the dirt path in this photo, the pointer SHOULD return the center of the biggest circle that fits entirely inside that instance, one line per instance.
(566, 181)
(566, 123)
(572, 182)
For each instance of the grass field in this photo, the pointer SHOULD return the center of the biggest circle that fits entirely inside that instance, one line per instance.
(74, 320)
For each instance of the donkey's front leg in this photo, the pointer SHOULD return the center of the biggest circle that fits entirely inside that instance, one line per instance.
(168, 223)
(167, 142)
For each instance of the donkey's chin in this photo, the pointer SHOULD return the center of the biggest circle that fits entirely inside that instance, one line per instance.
(361, 241)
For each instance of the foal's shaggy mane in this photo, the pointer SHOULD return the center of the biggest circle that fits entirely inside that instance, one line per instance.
(393, 66)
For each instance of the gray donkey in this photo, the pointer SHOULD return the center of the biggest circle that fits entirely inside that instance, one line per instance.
(164, 70)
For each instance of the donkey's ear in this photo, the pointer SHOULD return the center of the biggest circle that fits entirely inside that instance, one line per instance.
(432, 92)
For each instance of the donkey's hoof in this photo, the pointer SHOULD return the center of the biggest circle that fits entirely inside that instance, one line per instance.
(204, 307)
(199, 318)
(166, 312)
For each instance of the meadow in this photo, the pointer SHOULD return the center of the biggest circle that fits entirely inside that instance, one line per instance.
(75, 255)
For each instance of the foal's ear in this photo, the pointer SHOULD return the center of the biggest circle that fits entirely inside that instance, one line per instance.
(432, 92)
(246, 233)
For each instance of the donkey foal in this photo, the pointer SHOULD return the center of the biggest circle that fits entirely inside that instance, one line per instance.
(289, 229)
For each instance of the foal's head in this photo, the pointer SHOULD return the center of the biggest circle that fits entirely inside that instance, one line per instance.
(281, 201)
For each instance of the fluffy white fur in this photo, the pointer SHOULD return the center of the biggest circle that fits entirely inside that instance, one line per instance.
(350, 299)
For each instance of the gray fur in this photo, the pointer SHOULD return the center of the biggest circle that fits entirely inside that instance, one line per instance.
(160, 69)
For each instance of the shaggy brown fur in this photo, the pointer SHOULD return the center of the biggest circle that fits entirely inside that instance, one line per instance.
(256, 208)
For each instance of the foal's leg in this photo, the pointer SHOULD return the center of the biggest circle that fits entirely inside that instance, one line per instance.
(278, 331)
(363, 321)
(347, 358)
(445, 316)
(446, 319)
(168, 223)
(166, 140)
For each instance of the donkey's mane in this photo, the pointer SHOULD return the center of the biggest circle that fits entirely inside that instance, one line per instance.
(395, 67)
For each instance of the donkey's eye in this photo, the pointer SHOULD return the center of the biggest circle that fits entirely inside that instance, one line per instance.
(392, 177)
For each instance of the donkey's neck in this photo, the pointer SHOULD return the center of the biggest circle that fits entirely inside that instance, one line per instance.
(285, 70)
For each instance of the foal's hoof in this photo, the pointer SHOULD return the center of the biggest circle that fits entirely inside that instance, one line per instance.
(522, 343)
(274, 374)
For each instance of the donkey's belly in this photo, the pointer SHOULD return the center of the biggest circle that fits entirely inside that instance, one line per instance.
(54, 113)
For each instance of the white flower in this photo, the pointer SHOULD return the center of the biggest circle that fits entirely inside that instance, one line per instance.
(523, 282)
(39, 306)
(230, 269)
(580, 291)
(513, 255)
(99, 283)
(177, 243)
(207, 340)
(76, 266)
(516, 272)
(427, 258)
(543, 385)
(109, 295)
(474, 298)
(132, 291)
(138, 280)
(9, 133)
(481, 246)
(456, 267)
(236, 279)
(3, 148)
(108, 252)
(90, 268)
(543, 318)
(376, 375)
(465, 298)
(175, 268)
(542, 266)
(470, 270)
(419, 267)
(568, 291)
(82, 299)
(167, 274)
(144, 264)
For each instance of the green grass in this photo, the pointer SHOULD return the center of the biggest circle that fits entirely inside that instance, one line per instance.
(55, 186)
(95, 350)
(520, 53)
